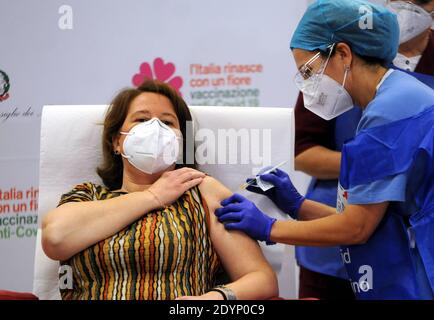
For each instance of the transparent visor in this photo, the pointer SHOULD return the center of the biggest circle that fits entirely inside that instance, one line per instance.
(309, 76)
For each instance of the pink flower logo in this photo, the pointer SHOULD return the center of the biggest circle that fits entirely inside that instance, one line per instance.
(160, 71)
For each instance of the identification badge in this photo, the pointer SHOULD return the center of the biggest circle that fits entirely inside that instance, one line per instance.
(342, 200)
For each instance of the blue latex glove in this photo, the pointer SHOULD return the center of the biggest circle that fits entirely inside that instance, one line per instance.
(239, 213)
(284, 195)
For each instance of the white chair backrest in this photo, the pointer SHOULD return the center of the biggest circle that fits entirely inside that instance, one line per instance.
(71, 151)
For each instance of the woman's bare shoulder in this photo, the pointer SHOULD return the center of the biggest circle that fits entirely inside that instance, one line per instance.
(213, 190)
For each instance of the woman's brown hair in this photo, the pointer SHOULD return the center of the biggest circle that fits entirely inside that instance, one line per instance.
(111, 170)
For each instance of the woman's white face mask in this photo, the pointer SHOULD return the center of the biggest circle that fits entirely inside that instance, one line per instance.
(322, 95)
(152, 146)
(413, 19)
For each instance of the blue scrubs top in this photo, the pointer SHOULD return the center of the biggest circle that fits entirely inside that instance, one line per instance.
(328, 260)
(391, 105)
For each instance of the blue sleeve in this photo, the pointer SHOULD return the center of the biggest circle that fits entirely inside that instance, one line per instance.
(387, 189)
(371, 119)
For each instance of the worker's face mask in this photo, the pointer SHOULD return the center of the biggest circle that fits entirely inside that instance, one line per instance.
(322, 95)
(151, 146)
(413, 19)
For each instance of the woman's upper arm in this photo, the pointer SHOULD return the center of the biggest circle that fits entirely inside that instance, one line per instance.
(80, 193)
(238, 253)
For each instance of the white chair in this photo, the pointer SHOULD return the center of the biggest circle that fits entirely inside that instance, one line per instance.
(71, 150)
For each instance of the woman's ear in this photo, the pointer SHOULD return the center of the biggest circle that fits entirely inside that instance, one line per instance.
(116, 144)
(343, 51)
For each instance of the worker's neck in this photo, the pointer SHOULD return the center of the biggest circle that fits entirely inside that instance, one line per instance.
(416, 46)
(365, 89)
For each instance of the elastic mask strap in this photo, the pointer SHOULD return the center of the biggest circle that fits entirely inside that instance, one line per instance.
(124, 155)
(347, 69)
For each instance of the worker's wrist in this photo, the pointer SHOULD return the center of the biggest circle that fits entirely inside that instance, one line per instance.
(276, 228)
(271, 222)
(300, 212)
(294, 211)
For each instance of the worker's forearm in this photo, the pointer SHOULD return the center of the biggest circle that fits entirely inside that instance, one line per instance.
(319, 162)
(312, 210)
(73, 227)
(329, 231)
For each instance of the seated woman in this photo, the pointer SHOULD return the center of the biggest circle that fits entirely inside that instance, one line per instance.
(150, 231)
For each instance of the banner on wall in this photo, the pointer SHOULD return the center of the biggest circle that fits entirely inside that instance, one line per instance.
(221, 53)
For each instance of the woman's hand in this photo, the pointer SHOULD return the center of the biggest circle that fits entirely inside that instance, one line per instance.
(172, 184)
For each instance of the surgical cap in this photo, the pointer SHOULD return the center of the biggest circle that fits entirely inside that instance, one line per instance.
(371, 30)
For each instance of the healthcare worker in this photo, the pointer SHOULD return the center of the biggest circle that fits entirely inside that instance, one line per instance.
(318, 145)
(385, 210)
(416, 50)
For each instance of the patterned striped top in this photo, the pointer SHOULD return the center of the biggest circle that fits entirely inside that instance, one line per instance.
(165, 254)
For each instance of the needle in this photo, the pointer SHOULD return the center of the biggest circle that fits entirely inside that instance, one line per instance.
(245, 185)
